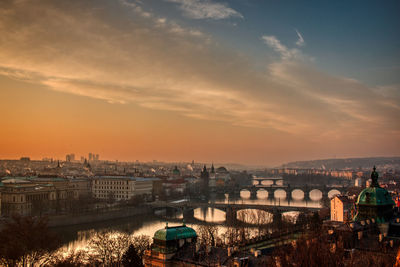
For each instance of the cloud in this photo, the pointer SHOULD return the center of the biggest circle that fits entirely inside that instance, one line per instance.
(275, 44)
(300, 41)
(206, 9)
(74, 47)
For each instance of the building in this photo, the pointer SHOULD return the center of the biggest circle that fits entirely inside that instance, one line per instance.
(222, 177)
(358, 182)
(121, 187)
(166, 244)
(70, 157)
(23, 197)
(341, 208)
(374, 202)
(81, 187)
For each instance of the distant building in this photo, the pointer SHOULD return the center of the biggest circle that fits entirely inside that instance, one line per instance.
(121, 187)
(358, 182)
(341, 208)
(70, 158)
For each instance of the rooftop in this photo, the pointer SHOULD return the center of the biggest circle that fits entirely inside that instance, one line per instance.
(175, 233)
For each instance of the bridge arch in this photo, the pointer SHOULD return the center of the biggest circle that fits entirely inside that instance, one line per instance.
(333, 192)
(254, 216)
(245, 193)
(280, 193)
(297, 194)
(315, 194)
(209, 214)
(262, 193)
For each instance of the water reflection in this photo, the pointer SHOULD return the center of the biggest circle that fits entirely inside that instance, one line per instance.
(77, 237)
(254, 216)
(209, 215)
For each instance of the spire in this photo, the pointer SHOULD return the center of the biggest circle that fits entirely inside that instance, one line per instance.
(374, 178)
(212, 167)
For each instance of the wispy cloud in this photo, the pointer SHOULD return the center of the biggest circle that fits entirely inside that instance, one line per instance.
(206, 9)
(300, 40)
(158, 64)
(275, 44)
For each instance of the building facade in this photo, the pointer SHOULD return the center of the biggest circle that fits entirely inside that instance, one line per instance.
(121, 187)
(341, 208)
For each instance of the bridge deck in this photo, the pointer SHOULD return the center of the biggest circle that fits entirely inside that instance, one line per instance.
(224, 206)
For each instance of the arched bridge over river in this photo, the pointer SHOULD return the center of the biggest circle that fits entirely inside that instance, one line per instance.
(288, 189)
(230, 209)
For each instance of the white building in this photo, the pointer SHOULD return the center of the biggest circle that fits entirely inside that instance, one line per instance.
(121, 187)
(341, 208)
(358, 182)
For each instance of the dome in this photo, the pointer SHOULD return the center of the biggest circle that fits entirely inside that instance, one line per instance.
(175, 171)
(374, 202)
(175, 233)
(374, 196)
(222, 170)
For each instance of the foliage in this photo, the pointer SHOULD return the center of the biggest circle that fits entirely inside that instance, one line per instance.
(26, 241)
(141, 243)
(108, 247)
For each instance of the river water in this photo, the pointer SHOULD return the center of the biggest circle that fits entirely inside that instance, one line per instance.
(76, 237)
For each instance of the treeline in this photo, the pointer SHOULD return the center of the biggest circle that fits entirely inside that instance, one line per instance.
(27, 241)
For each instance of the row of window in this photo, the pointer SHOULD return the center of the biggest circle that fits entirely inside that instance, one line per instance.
(110, 187)
(111, 182)
(116, 196)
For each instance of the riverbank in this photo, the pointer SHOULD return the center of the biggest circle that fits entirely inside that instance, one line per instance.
(97, 216)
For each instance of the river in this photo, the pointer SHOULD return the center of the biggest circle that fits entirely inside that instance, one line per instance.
(76, 237)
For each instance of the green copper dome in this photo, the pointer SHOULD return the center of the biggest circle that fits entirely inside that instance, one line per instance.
(175, 233)
(374, 196)
(175, 171)
(374, 202)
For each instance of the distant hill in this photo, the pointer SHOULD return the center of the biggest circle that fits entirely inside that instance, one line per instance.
(350, 163)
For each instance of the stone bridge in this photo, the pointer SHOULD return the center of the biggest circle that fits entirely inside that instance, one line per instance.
(230, 210)
(271, 189)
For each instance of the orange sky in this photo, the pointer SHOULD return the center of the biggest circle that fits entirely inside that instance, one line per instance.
(75, 78)
(40, 123)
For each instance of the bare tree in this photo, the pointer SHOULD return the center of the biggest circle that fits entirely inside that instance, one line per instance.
(109, 247)
(26, 241)
(141, 243)
(207, 235)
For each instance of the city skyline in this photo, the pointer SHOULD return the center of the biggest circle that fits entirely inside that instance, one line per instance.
(224, 81)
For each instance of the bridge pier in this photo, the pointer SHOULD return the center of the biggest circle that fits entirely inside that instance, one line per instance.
(253, 193)
(231, 216)
(270, 193)
(307, 195)
(188, 214)
(277, 218)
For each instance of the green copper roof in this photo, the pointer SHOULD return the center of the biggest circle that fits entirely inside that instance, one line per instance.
(374, 196)
(175, 233)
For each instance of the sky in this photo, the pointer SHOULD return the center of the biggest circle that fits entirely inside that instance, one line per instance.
(244, 81)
